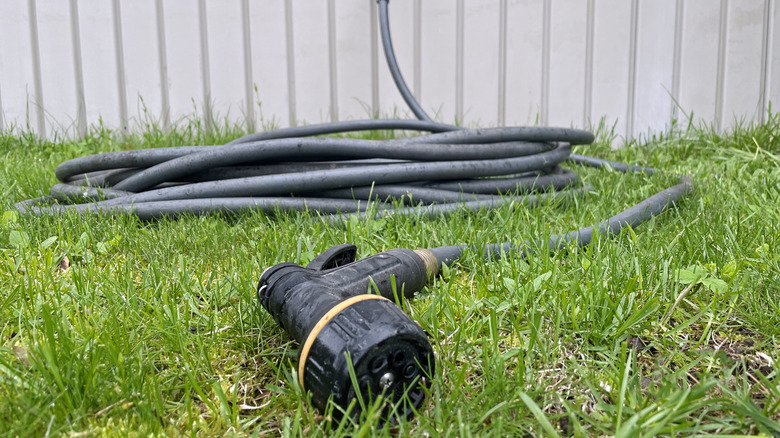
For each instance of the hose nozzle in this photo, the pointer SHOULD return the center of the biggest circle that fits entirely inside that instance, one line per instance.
(330, 309)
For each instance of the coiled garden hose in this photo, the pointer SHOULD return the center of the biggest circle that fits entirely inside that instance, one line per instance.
(450, 169)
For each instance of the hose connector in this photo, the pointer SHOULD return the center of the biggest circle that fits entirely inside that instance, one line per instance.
(431, 262)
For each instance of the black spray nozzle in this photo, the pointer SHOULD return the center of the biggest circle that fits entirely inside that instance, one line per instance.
(342, 313)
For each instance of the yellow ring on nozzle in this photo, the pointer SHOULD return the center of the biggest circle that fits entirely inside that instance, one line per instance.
(321, 324)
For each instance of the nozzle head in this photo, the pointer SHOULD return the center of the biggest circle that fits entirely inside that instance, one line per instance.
(388, 352)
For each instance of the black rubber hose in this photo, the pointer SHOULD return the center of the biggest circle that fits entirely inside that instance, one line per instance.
(631, 217)
(449, 170)
(387, 45)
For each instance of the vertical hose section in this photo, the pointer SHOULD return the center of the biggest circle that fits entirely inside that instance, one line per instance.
(387, 45)
(449, 169)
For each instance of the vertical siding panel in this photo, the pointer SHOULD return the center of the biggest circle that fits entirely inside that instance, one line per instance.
(654, 67)
(269, 55)
(720, 79)
(679, 15)
(312, 61)
(589, 31)
(610, 69)
(289, 40)
(16, 73)
(524, 66)
(566, 62)
(121, 83)
(333, 62)
(38, 101)
(162, 52)
(774, 58)
(227, 62)
(401, 20)
(98, 49)
(205, 65)
(374, 60)
(141, 60)
(766, 59)
(632, 61)
(743, 65)
(502, 13)
(353, 50)
(78, 69)
(186, 62)
(459, 31)
(481, 53)
(698, 77)
(544, 111)
(246, 34)
(438, 65)
(417, 76)
(57, 67)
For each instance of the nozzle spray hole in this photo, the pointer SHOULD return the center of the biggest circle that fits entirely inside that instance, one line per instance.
(378, 364)
(410, 371)
(365, 386)
(398, 358)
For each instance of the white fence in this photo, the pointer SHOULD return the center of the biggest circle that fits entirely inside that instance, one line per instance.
(65, 65)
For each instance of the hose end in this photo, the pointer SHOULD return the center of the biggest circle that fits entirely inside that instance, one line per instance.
(432, 263)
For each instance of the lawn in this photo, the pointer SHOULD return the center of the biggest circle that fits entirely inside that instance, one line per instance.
(154, 328)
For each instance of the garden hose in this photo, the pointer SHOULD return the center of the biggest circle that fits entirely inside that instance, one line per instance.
(356, 343)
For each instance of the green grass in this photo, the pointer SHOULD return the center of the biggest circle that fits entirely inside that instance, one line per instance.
(154, 329)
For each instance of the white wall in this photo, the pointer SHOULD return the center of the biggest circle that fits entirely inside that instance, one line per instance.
(68, 64)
